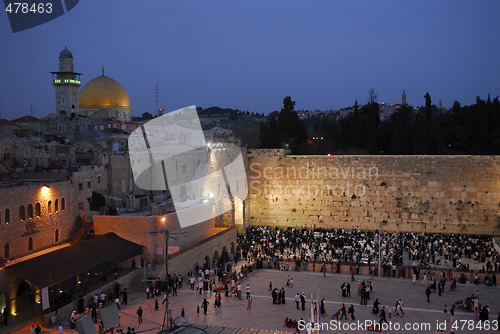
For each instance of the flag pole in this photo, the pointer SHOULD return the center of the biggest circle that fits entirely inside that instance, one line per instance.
(379, 247)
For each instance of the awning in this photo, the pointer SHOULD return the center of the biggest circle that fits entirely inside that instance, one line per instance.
(58, 266)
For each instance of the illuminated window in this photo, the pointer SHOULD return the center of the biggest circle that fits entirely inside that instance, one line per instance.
(56, 236)
(49, 207)
(6, 251)
(7, 216)
(63, 205)
(30, 244)
(22, 213)
(30, 211)
(56, 205)
(37, 210)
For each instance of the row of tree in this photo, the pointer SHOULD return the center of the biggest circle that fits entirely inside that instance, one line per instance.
(473, 129)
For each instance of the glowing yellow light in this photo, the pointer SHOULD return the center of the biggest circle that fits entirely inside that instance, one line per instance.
(45, 190)
(163, 219)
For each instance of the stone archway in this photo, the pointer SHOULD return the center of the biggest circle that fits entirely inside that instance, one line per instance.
(25, 302)
(216, 258)
(224, 258)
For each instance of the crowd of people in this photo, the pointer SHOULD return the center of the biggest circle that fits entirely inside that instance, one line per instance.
(356, 246)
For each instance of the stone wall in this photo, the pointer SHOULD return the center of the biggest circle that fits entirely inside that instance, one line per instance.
(212, 249)
(134, 228)
(452, 194)
(40, 228)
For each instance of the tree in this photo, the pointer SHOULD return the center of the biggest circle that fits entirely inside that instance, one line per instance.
(292, 129)
(428, 107)
(97, 201)
(146, 116)
(264, 135)
(372, 96)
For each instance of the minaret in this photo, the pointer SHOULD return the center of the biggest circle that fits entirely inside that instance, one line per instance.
(403, 98)
(67, 84)
(440, 104)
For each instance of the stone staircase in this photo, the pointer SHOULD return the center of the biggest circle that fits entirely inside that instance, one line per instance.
(86, 227)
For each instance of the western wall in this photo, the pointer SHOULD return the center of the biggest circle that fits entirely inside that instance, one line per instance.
(449, 194)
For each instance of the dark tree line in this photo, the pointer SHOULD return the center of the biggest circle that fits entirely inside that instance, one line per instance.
(284, 129)
(473, 129)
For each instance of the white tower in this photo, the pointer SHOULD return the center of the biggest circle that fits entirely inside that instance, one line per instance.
(403, 98)
(67, 84)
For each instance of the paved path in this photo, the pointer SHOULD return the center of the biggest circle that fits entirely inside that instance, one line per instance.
(265, 315)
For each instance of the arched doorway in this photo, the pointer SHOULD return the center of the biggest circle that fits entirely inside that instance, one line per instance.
(224, 256)
(216, 259)
(25, 303)
(25, 293)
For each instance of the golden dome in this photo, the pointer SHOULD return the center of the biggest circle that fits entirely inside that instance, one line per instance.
(103, 92)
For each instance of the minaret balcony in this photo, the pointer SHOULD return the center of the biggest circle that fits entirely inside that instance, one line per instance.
(66, 81)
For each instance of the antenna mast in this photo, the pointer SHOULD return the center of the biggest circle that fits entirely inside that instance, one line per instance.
(156, 96)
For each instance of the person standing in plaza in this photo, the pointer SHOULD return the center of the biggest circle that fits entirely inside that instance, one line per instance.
(445, 313)
(452, 313)
(139, 315)
(205, 306)
(303, 301)
(239, 290)
(428, 294)
(297, 300)
(125, 297)
(248, 290)
(351, 313)
(5, 314)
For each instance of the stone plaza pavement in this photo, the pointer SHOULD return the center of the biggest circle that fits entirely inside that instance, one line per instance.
(265, 315)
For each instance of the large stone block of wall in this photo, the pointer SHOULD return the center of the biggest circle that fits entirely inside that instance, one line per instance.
(453, 194)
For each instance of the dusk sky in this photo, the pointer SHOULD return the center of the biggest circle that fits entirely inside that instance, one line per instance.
(249, 55)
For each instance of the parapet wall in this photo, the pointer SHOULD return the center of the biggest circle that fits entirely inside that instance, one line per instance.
(451, 194)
